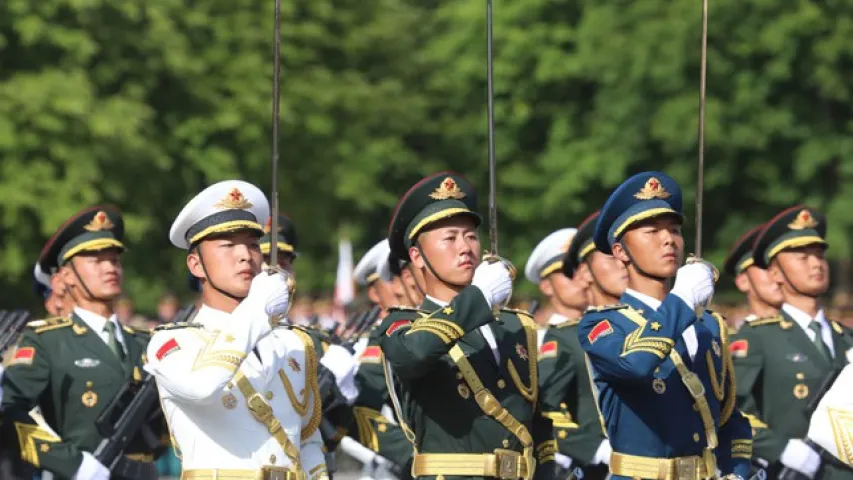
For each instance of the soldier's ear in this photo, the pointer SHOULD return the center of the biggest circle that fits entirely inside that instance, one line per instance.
(546, 288)
(742, 282)
(194, 264)
(619, 253)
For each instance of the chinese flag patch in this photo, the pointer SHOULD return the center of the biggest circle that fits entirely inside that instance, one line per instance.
(371, 355)
(601, 329)
(548, 350)
(170, 346)
(24, 356)
(739, 348)
(396, 326)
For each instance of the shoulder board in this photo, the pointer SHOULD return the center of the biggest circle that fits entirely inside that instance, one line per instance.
(137, 331)
(523, 315)
(839, 328)
(605, 308)
(51, 323)
(402, 308)
(177, 325)
(568, 323)
(765, 321)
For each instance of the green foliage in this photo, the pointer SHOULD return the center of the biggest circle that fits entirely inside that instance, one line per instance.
(143, 103)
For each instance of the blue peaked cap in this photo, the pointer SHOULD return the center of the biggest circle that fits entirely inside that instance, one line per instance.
(643, 196)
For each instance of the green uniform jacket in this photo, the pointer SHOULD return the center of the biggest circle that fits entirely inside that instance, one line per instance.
(565, 395)
(778, 371)
(437, 403)
(374, 430)
(67, 370)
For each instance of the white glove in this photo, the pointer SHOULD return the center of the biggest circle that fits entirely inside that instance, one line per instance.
(91, 469)
(563, 461)
(602, 454)
(343, 366)
(694, 283)
(495, 281)
(270, 292)
(799, 456)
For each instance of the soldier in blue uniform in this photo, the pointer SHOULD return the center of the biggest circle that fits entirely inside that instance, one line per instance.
(663, 374)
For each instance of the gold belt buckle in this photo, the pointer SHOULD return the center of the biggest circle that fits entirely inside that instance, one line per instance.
(687, 468)
(694, 385)
(509, 464)
(259, 408)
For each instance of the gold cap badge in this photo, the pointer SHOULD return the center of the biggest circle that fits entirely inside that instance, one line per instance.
(447, 189)
(803, 221)
(100, 222)
(234, 201)
(652, 189)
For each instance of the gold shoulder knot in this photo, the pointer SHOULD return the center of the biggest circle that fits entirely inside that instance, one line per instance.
(51, 323)
(604, 308)
(177, 325)
(765, 321)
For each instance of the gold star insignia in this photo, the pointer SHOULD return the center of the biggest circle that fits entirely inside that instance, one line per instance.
(447, 310)
(655, 326)
(229, 338)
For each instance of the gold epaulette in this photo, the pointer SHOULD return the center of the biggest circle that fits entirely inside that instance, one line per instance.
(176, 325)
(765, 321)
(568, 323)
(51, 323)
(136, 331)
(604, 308)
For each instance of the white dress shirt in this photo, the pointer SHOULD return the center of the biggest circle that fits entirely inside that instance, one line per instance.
(97, 324)
(803, 320)
(689, 335)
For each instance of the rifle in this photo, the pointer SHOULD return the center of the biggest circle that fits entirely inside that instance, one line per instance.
(135, 417)
(791, 474)
(11, 324)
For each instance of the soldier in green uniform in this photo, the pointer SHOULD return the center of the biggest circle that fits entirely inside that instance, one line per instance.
(781, 361)
(465, 371)
(410, 280)
(71, 367)
(562, 372)
(377, 431)
(287, 242)
(763, 296)
(608, 277)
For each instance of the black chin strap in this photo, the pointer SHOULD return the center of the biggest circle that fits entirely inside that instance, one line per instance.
(432, 270)
(790, 283)
(210, 280)
(637, 266)
(82, 283)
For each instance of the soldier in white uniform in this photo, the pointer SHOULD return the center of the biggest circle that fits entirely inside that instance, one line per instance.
(239, 391)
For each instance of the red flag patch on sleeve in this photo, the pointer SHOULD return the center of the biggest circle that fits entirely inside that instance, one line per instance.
(171, 346)
(396, 326)
(739, 348)
(24, 356)
(371, 355)
(601, 329)
(548, 350)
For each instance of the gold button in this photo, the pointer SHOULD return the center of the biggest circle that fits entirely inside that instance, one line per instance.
(382, 428)
(801, 376)
(501, 383)
(272, 459)
(563, 405)
(229, 385)
(89, 384)
(44, 448)
(269, 395)
(458, 376)
(695, 437)
(506, 443)
(562, 434)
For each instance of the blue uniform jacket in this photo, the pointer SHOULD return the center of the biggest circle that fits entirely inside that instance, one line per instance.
(646, 409)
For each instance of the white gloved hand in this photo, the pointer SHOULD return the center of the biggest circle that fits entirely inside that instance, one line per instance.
(602, 454)
(91, 469)
(563, 461)
(495, 281)
(694, 283)
(802, 458)
(343, 366)
(270, 291)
